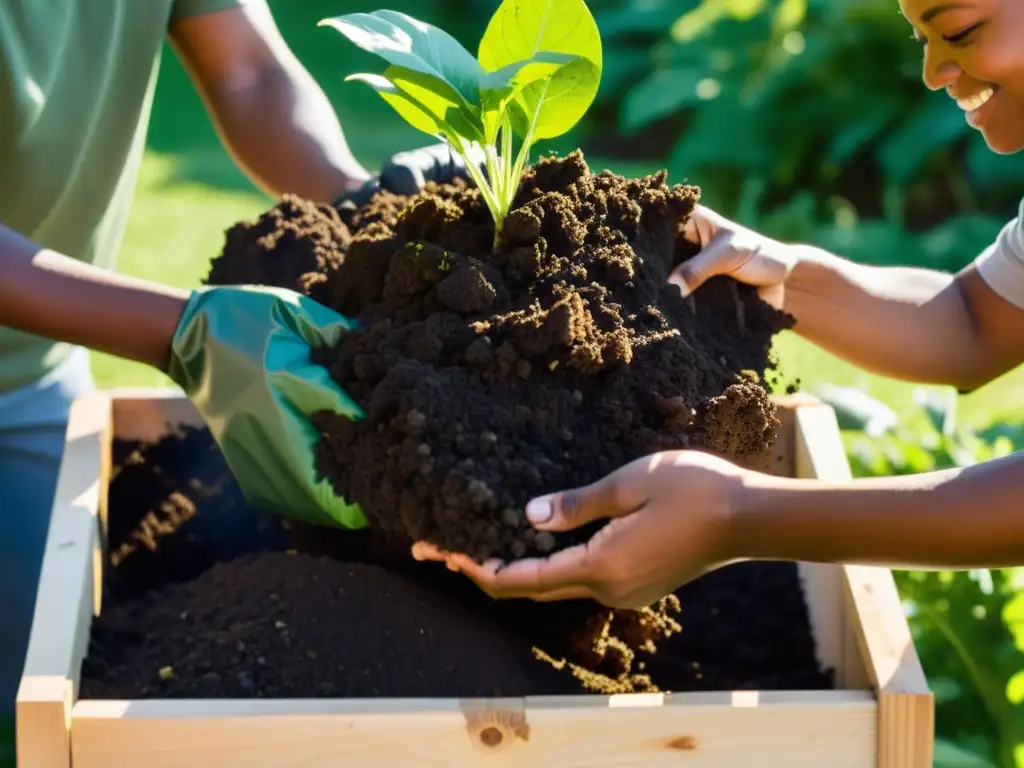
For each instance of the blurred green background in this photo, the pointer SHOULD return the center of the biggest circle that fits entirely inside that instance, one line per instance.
(806, 119)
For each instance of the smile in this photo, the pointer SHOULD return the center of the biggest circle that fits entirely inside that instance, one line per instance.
(975, 102)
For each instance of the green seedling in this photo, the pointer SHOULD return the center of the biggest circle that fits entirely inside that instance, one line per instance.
(535, 75)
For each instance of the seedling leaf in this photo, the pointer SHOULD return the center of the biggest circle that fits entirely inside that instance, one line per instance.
(407, 42)
(523, 71)
(538, 72)
(440, 99)
(413, 111)
(521, 29)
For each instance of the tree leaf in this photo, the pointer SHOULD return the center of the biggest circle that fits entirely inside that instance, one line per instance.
(855, 134)
(788, 15)
(648, 18)
(721, 134)
(949, 755)
(935, 124)
(407, 42)
(661, 93)
(622, 67)
(521, 29)
(988, 168)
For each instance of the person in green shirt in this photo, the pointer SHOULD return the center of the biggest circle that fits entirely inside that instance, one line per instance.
(76, 88)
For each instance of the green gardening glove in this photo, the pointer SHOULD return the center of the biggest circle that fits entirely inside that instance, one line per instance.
(242, 355)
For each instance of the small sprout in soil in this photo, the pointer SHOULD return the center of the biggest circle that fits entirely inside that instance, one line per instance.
(536, 73)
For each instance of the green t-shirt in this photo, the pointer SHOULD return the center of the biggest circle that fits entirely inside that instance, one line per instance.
(76, 86)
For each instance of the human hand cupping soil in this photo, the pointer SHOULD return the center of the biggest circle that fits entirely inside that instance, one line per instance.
(728, 248)
(657, 539)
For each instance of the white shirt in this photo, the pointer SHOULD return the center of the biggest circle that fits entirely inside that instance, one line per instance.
(1001, 265)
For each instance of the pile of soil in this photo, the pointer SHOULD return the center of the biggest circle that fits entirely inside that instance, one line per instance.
(488, 375)
(227, 601)
(491, 375)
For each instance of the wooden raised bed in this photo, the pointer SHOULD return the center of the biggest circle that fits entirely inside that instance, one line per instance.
(881, 715)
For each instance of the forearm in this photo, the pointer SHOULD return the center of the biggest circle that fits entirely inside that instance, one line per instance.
(902, 322)
(958, 518)
(276, 122)
(51, 295)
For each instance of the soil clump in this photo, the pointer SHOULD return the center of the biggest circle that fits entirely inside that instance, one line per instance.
(489, 376)
(228, 601)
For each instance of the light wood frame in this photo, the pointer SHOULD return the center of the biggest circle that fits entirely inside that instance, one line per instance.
(881, 715)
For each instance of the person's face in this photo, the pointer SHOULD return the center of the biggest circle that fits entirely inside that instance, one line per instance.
(974, 50)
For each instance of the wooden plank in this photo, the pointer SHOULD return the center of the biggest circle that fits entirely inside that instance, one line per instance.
(819, 454)
(835, 728)
(706, 730)
(150, 414)
(778, 460)
(67, 594)
(877, 644)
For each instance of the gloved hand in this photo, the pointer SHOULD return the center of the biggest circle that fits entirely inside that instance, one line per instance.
(405, 173)
(242, 354)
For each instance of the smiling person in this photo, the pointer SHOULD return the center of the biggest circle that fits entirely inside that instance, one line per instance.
(76, 86)
(676, 515)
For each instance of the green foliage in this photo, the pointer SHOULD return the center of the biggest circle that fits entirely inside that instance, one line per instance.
(536, 73)
(968, 626)
(807, 119)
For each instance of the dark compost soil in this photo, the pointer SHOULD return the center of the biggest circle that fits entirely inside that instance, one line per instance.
(206, 597)
(489, 377)
(486, 378)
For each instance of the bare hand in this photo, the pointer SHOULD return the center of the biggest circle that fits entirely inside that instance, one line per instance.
(728, 248)
(669, 524)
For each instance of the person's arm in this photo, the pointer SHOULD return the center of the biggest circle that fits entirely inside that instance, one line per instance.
(904, 322)
(969, 517)
(271, 115)
(52, 295)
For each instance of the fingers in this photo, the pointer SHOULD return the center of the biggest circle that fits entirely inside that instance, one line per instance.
(565, 572)
(773, 295)
(716, 258)
(567, 510)
(702, 225)
(617, 494)
(425, 551)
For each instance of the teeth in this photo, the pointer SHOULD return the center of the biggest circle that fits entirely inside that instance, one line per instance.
(976, 101)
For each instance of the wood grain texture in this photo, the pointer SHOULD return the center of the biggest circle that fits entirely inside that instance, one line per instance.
(717, 730)
(881, 719)
(877, 646)
(67, 593)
